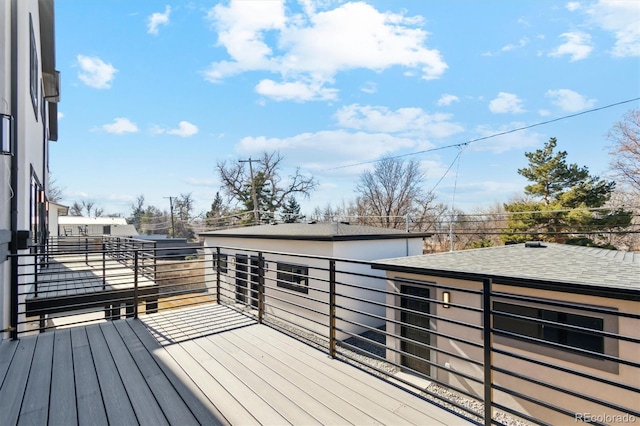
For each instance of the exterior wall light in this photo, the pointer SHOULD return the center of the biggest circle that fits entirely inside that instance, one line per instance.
(6, 134)
(446, 299)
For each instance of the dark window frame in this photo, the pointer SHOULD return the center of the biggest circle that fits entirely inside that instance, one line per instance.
(538, 310)
(293, 277)
(33, 68)
(224, 262)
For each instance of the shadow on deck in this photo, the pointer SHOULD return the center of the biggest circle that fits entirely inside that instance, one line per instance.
(202, 365)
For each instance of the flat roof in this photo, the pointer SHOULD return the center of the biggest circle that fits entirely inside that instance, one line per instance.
(82, 220)
(549, 262)
(337, 231)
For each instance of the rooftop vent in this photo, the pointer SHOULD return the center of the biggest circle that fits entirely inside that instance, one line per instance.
(534, 244)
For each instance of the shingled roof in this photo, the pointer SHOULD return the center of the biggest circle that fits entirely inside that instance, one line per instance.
(337, 231)
(548, 262)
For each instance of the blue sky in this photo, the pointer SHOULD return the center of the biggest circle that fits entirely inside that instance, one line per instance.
(154, 93)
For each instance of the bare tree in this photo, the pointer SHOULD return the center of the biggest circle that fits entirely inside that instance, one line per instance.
(76, 209)
(625, 149)
(54, 192)
(391, 191)
(264, 180)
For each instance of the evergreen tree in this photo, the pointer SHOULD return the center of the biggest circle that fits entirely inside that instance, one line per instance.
(291, 211)
(215, 216)
(561, 202)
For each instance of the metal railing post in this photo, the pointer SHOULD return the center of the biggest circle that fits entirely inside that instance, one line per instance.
(135, 284)
(13, 326)
(104, 266)
(332, 308)
(218, 270)
(488, 354)
(260, 287)
(86, 251)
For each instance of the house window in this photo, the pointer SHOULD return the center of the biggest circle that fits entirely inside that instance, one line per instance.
(33, 63)
(37, 201)
(223, 263)
(293, 277)
(549, 332)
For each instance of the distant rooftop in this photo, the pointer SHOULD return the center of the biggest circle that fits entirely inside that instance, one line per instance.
(82, 220)
(336, 231)
(550, 262)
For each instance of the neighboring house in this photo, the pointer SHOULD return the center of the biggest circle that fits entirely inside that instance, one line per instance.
(95, 226)
(288, 278)
(582, 287)
(55, 211)
(29, 92)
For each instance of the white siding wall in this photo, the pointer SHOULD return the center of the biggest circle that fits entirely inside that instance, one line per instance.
(318, 285)
(29, 125)
(5, 161)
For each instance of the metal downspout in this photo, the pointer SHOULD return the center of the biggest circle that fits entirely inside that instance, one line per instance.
(14, 171)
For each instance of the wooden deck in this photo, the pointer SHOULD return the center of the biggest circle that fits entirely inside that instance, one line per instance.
(89, 281)
(202, 365)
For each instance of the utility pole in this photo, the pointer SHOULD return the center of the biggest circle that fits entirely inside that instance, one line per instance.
(173, 232)
(256, 217)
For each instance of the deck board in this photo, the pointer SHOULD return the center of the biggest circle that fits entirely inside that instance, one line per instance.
(144, 404)
(306, 384)
(35, 404)
(172, 405)
(386, 395)
(15, 381)
(207, 365)
(354, 384)
(62, 410)
(266, 386)
(6, 355)
(202, 408)
(116, 401)
(89, 403)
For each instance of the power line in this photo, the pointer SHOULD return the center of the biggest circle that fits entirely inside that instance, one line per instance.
(494, 135)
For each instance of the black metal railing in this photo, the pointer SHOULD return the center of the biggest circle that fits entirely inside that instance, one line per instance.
(493, 351)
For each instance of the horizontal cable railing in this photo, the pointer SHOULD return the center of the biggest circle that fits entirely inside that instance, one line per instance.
(492, 352)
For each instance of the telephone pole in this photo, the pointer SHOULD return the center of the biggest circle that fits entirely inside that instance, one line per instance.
(256, 217)
(173, 232)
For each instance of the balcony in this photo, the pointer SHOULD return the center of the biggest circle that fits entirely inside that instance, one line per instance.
(121, 331)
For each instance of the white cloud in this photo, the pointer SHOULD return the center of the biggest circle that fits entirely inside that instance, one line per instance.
(570, 101)
(184, 130)
(506, 103)
(369, 87)
(94, 72)
(206, 182)
(620, 18)
(577, 46)
(312, 47)
(447, 99)
(120, 126)
(521, 43)
(296, 91)
(403, 121)
(544, 112)
(156, 19)
(503, 143)
(573, 6)
(320, 150)
(60, 115)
